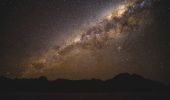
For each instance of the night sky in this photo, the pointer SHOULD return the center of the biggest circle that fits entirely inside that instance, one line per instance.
(85, 39)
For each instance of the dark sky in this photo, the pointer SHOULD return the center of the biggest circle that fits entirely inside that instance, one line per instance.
(31, 29)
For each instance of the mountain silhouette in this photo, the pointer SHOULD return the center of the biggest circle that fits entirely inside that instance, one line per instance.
(123, 82)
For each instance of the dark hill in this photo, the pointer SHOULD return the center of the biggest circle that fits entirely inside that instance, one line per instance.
(121, 83)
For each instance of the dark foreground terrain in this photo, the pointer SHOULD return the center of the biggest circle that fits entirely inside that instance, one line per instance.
(121, 87)
(87, 96)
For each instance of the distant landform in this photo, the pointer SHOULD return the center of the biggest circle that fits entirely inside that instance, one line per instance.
(121, 83)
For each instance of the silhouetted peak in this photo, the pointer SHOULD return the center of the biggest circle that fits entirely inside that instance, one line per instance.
(135, 76)
(122, 76)
(127, 76)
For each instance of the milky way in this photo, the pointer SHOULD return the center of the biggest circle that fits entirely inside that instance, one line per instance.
(103, 46)
(84, 39)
